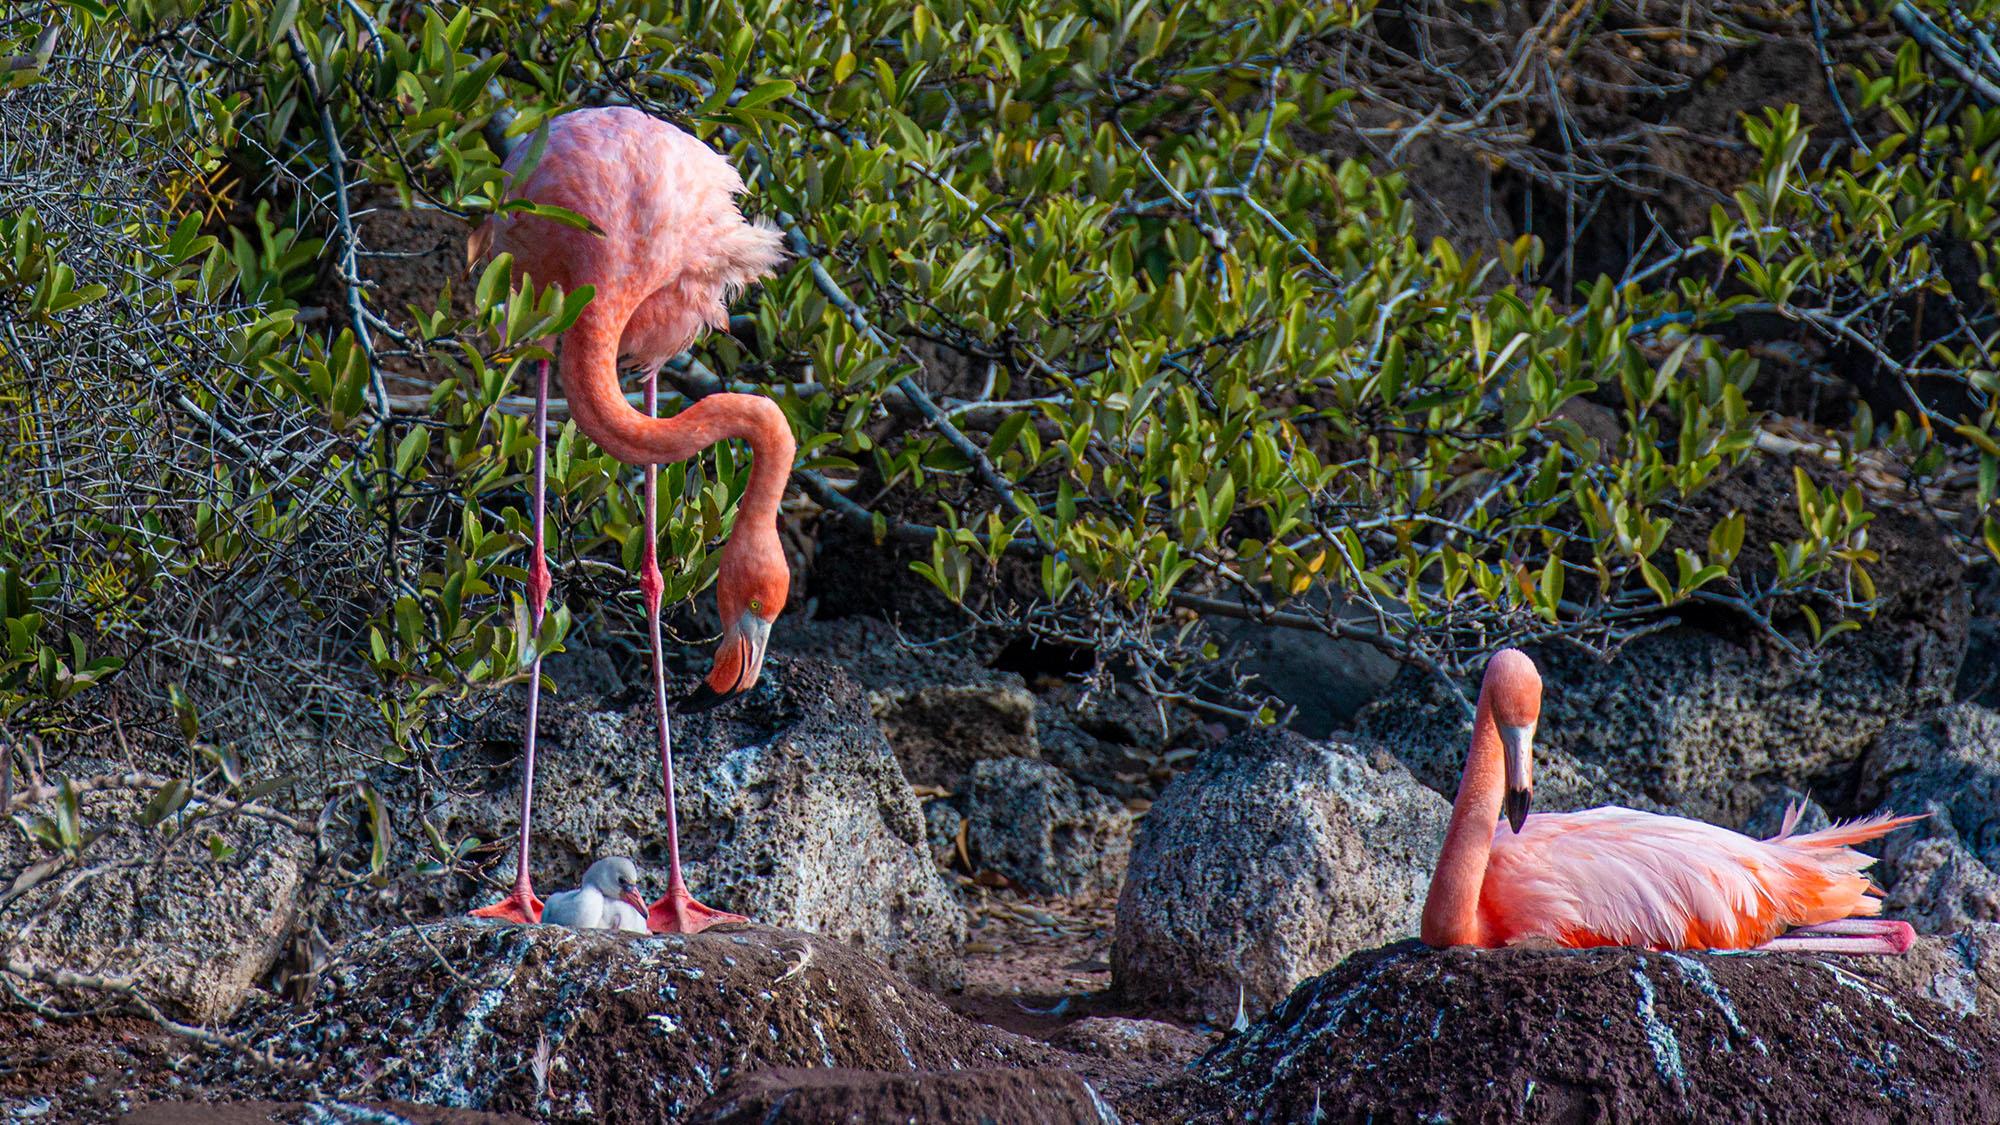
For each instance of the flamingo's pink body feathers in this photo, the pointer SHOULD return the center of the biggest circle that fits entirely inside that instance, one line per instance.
(674, 247)
(1615, 876)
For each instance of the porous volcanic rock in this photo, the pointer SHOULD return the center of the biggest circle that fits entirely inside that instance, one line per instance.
(1408, 1033)
(1121, 1037)
(826, 1096)
(1705, 719)
(941, 731)
(1265, 863)
(1959, 970)
(1327, 680)
(1944, 871)
(1030, 822)
(1768, 818)
(554, 1023)
(195, 916)
(938, 703)
(793, 811)
(1941, 888)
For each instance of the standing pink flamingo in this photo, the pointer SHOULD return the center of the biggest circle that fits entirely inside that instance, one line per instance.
(1615, 876)
(669, 250)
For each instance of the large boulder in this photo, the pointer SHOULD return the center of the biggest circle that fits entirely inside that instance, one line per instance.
(938, 703)
(1409, 1033)
(1028, 821)
(1267, 862)
(192, 913)
(941, 731)
(793, 811)
(1943, 871)
(1708, 719)
(1979, 676)
(1941, 888)
(553, 1023)
(1327, 680)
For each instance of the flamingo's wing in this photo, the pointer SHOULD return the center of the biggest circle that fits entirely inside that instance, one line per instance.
(577, 909)
(1616, 876)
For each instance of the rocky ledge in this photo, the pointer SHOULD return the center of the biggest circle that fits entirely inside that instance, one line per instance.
(559, 1024)
(1408, 1033)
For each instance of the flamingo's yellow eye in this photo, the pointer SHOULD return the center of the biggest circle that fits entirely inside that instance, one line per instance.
(756, 606)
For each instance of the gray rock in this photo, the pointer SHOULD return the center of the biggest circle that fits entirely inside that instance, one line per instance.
(1118, 1037)
(1267, 862)
(940, 731)
(938, 703)
(1030, 822)
(193, 931)
(793, 811)
(1959, 970)
(1943, 871)
(1326, 680)
(1939, 887)
(1768, 818)
(943, 823)
(1979, 676)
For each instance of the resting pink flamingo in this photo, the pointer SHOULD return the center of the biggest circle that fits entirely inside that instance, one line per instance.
(1615, 876)
(670, 249)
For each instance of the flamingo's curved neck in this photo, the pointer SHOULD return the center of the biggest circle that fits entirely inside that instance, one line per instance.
(589, 372)
(1451, 910)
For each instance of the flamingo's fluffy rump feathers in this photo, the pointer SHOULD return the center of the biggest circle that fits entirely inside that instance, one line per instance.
(669, 238)
(1615, 876)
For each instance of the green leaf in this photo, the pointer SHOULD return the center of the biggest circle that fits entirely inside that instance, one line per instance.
(764, 94)
(167, 801)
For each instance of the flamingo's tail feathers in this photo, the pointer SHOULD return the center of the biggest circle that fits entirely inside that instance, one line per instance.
(746, 253)
(1844, 834)
(1793, 810)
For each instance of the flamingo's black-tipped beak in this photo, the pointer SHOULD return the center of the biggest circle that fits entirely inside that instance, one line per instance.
(739, 661)
(1517, 749)
(702, 698)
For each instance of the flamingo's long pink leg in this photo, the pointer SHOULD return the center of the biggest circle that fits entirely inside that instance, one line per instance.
(1851, 935)
(676, 912)
(1872, 927)
(521, 905)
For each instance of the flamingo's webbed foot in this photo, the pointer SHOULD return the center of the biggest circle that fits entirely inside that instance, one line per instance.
(521, 907)
(678, 913)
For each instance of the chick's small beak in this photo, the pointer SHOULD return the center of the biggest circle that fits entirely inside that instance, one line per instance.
(1517, 746)
(739, 660)
(632, 899)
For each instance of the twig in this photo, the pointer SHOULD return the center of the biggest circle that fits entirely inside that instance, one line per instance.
(1946, 50)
